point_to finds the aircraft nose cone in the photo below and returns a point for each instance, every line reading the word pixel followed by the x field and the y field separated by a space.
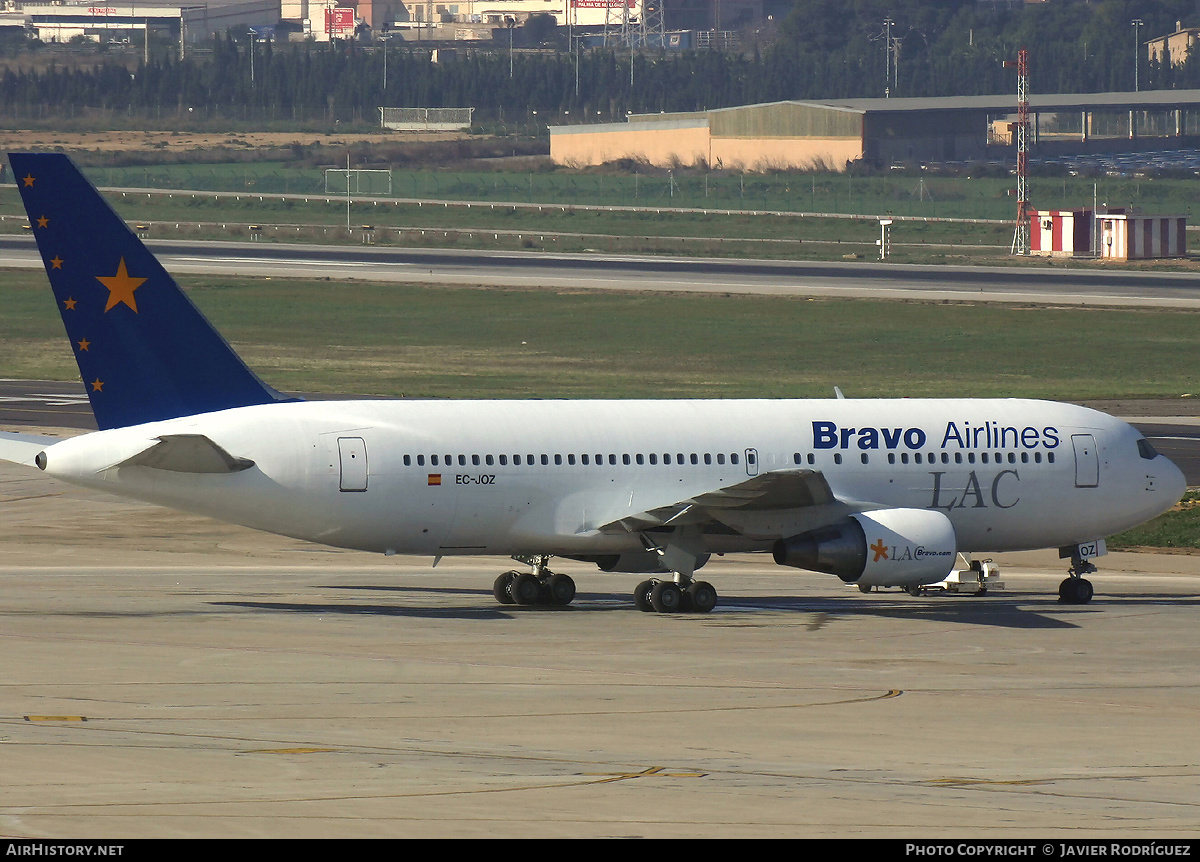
pixel 1174 483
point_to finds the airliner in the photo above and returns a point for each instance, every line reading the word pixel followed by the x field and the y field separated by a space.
pixel 879 493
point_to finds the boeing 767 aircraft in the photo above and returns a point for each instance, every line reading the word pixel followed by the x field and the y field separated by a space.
pixel 880 493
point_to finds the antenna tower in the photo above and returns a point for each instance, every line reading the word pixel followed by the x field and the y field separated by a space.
pixel 1020 243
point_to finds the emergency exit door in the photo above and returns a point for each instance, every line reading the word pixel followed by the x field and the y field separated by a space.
pixel 1087 461
pixel 353 454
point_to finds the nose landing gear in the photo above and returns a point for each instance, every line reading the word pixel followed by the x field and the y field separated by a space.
pixel 1076 589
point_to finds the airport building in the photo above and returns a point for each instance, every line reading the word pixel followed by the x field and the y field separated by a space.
pixel 644 22
pixel 122 22
pixel 832 134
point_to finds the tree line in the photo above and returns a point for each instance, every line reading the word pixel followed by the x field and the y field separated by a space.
pixel 823 49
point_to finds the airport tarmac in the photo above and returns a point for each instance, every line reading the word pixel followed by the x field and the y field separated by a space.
pixel 167 676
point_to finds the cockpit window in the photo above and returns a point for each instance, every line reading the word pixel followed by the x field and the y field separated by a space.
pixel 1146 450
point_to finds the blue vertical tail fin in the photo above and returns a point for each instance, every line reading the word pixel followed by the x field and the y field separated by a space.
pixel 145 352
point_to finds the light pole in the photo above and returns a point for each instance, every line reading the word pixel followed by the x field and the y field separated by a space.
pixel 510 23
pixel 887 57
pixel 250 48
pixel 1136 23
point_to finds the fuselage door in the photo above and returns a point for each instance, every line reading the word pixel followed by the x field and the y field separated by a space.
pixel 1087 461
pixel 353 454
pixel 751 462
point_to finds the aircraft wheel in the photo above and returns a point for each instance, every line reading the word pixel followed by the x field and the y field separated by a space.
pixel 702 597
pixel 641 596
pixel 864 588
pixel 561 589
pixel 913 590
pixel 666 597
pixel 1075 591
pixel 525 589
pixel 500 589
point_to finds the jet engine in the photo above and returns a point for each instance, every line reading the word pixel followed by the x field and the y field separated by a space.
pixel 884 548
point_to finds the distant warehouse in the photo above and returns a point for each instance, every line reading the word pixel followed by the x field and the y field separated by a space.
pixel 833 134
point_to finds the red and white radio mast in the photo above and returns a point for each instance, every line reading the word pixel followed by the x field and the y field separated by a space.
pixel 1020 243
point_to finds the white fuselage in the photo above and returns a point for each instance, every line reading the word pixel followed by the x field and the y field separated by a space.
pixel 524 477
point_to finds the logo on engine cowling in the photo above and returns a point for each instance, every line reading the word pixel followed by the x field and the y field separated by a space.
pixel 897 553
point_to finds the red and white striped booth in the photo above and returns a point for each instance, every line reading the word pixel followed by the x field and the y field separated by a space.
pixel 1061 233
pixel 1137 237
pixel 1120 235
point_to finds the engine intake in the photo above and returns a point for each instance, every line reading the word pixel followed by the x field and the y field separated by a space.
pixel 884 548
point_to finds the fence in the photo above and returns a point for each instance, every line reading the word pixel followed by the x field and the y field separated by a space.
pixel 425 119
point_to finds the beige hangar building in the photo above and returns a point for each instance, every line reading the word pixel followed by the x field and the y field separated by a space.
pixel 829 135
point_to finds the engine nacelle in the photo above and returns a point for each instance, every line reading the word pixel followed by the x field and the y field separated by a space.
pixel 885 548
pixel 632 561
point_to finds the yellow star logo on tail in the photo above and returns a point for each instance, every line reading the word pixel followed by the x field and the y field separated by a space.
pixel 120 287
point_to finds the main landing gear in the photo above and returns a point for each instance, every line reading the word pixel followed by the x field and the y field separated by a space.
pixel 668 597
pixel 539 587
pixel 1076 589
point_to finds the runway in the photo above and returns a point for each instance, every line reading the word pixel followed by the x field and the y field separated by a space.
pixel 1038 285
pixel 166 676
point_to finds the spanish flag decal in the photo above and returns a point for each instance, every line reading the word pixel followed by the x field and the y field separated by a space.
pixel 435 478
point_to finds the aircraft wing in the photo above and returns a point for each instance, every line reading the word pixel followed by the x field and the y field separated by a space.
pixel 23 448
pixel 778 489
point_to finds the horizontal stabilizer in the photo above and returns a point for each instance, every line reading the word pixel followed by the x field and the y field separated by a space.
pixel 187 453
pixel 23 448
